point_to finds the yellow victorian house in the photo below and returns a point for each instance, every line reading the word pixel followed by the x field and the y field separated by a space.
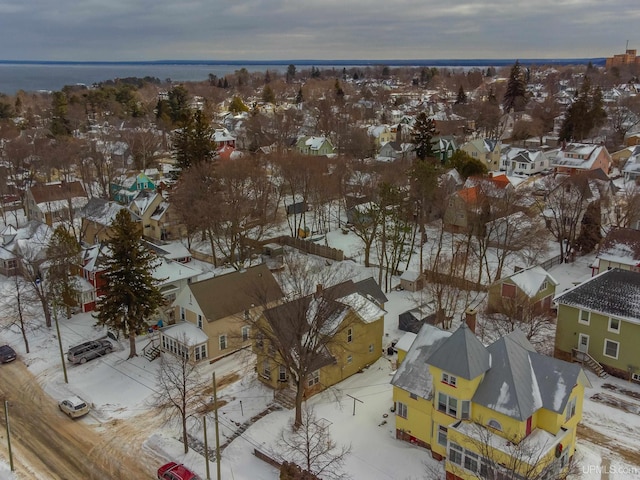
pixel 502 411
pixel 336 332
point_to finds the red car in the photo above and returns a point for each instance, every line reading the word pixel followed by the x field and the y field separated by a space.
pixel 176 471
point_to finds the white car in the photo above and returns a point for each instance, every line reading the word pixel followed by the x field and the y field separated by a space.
pixel 74 407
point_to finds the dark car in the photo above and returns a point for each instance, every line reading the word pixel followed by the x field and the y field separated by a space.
pixel 7 354
pixel 176 471
pixel 89 350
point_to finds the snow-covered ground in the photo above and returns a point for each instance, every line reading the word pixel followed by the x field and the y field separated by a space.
pixel 124 389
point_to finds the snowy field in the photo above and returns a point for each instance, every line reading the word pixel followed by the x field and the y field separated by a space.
pixel 123 389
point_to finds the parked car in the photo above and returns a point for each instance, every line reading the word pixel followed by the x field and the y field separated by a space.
pixel 74 407
pixel 89 350
pixel 176 471
pixel 7 354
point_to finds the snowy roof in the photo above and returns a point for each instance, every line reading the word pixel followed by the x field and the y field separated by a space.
pixel 168 271
pixel 365 308
pixel 462 354
pixel 613 293
pixel 410 275
pixel 530 280
pixel 521 381
pixel 186 333
pixel 172 251
pixel 406 341
pixel 413 373
pixel 578 155
pixel 143 200
pixel 103 212
pixel 621 245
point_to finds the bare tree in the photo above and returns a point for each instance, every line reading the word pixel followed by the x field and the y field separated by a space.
pixel 564 205
pixel 18 307
pixel 300 333
pixel 180 389
pixel 517 457
pixel 310 445
pixel 626 209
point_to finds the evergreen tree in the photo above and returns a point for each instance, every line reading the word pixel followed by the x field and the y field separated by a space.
pixel 131 294
pixel 193 143
pixel 584 114
pixel 462 97
pixel 178 105
pixel 291 73
pixel 299 96
pixel 267 94
pixel 424 129
pixel 237 105
pixel 515 98
pixel 60 125
pixel 63 254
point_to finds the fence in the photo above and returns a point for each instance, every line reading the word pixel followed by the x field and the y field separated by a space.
pixel 308 246
pixel 547 264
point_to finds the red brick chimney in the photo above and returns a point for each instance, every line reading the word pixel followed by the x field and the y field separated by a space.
pixel 470 318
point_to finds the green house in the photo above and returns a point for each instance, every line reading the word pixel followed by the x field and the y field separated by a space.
pixel 316 146
pixel 125 190
pixel 599 320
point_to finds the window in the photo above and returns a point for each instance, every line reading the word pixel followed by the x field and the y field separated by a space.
pixel 544 285
pixel 349 359
pixel 349 335
pixel 455 454
pixel 266 369
pixel 200 321
pixel 371 348
pixel 442 435
pixel 260 341
pixel 614 325
pixel 200 352
pixel 282 373
pixel 314 378
pixel 635 377
pixel 611 348
pixel 245 333
pixel 571 409
pixel 464 414
pixel 413 396
pixel 449 379
pixel 447 404
pixel 584 317
pixel 494 424
pixel 401 410
pixel 182 314
pixel 471 461
pixel 223 342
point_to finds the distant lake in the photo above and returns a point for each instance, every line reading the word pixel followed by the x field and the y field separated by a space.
pixel 34 77
pixel 52 76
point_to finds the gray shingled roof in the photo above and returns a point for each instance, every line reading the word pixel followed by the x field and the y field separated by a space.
pixel 462 355
pixel 413 373
pixel 614 293
pixel 521 381
pixel 233 293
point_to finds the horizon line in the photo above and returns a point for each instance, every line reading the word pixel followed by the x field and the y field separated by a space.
pixel 301 61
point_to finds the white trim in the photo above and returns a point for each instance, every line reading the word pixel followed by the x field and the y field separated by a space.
pixel 582 322
pixel 613 330
pixel 604 350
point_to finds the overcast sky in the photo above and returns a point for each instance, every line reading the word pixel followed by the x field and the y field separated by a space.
pixel 112 30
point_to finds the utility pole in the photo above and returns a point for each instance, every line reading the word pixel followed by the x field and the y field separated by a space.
pixel 354 402
pixel 64 365
pixel 215 416
pixel 6 419
pixel 206 446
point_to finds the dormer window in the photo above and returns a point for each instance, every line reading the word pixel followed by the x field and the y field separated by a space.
pixel 494 424
pixel 449 379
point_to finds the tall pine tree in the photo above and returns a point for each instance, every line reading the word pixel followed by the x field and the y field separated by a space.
pixel 424 129
pixel 193 143
pixel 584 114
pixel 63 254
pixel 131 294
pixel 515 98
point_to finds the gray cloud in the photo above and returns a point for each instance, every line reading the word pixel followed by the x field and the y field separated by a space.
pixel 328 29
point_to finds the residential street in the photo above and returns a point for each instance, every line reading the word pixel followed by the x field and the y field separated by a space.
pixel 48 445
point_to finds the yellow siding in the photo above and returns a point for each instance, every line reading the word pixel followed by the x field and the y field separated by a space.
pixel 419 413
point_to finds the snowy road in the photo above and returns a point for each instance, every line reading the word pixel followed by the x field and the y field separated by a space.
pixel 48 445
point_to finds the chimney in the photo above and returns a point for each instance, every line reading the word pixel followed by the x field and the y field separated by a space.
pixel 318 290
pixel 470 318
